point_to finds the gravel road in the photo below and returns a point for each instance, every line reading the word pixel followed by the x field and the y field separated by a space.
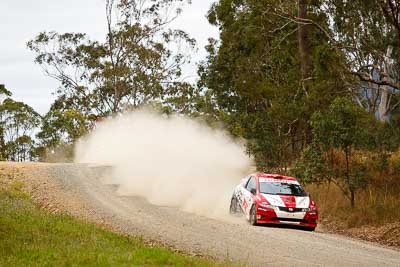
pixel 80 191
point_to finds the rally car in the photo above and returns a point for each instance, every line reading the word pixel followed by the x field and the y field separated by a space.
pixel 274 199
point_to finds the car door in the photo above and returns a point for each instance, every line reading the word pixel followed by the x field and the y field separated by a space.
pixel 239 191
pixel 247 196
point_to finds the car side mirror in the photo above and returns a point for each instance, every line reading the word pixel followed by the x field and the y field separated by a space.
pixel 253 191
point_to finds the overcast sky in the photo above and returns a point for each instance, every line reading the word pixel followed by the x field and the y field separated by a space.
pixel 22 20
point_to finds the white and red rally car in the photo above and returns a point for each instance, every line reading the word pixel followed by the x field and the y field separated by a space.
pixel 274 199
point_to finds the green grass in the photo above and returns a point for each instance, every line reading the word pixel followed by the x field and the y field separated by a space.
pixel 30 236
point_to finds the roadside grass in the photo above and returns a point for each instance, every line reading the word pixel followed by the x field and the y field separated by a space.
pixel 30 236
pixel 377 205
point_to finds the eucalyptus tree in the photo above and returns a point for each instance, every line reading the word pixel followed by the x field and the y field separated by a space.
pixel 18 122
pixel 139 62
pixel 63 126
pixel 4 93
pixel 368 33
pixel 269 72
pixel 339 133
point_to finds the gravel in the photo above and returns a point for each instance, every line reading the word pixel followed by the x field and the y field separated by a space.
pixel 79 191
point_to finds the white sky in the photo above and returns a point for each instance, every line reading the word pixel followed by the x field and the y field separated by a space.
pixel 22 20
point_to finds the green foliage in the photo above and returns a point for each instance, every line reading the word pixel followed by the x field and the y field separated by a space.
pixel 395 162
pixel 368 34
pixel 387 136
pixel 140 62
pixel 339 135
pixel 254 79
pixel 136 64
pixel 59 131
pixel 342 126
pixel 310 167
pixel 4 91
pixel 63 126
pixel 18 122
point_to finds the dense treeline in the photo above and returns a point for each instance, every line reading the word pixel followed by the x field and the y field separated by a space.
pixel 18 122
pixel 311 85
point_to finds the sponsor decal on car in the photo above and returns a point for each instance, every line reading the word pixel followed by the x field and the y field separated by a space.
pixel 275 180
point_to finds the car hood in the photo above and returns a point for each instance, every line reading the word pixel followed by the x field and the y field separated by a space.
pixel 287 201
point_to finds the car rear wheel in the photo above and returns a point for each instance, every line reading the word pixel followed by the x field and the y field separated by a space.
pixel 253 215
pixel 234 206
pixel 311 229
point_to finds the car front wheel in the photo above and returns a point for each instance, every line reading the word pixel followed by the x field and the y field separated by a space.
pixel 253 215
pixel 234 206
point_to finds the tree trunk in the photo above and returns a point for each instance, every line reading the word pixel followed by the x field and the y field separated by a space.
pixel 384 105
pixel 2 145
pixel 347 174
pixel 304 41
pixel 352 198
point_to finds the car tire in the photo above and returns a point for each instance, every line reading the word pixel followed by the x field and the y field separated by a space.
pixel 310 229
pixel 233 209
pixel 253 216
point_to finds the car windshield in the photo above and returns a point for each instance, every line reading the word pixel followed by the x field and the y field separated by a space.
pixel 282 188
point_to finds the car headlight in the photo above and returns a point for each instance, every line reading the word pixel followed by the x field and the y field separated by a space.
pixel 310 209
pixel 267 206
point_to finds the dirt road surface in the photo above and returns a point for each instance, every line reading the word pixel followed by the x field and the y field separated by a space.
pixel 80 191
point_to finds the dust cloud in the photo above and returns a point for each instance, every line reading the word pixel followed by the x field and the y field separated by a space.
pixel 171 161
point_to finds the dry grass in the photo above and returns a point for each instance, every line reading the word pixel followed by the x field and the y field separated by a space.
pixel 376 205
pixel 376 216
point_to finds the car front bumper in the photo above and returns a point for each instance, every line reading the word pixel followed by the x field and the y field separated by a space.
pixel 276 216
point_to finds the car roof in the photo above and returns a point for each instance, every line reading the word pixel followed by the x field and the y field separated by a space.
pixel 274 176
